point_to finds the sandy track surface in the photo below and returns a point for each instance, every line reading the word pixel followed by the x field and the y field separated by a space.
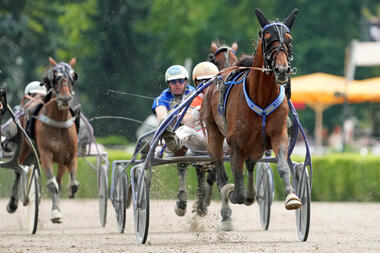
pixel 335 227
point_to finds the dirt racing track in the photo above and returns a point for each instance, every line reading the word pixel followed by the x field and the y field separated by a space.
pixel 335 227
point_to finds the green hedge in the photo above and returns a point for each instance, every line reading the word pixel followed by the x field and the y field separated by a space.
pixel 338 177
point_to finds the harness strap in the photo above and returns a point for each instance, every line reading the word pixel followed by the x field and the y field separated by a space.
pixel 51 122
pixel 268 110
pixel 228 86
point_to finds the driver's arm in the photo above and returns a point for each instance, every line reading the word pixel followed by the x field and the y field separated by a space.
pixel 161 113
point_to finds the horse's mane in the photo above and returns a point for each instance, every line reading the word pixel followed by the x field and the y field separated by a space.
pixel 245 61
pixel 219 43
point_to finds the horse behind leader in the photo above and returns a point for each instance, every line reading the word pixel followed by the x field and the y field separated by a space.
pixel 55 132
pixel 254 116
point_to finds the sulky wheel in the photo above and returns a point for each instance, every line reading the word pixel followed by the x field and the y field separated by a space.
pixel 33 196
pixel 303 213
pixel 120 192
pixel 102 194
pixel 141 204
pixel 264 192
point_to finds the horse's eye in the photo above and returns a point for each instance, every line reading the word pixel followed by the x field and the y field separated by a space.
pixel 75 76
pixel 288 38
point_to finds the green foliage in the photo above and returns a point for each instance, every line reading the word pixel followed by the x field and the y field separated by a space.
pixel 112 140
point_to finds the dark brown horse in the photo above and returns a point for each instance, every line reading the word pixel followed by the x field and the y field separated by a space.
pixel 249 132
pixel 56 134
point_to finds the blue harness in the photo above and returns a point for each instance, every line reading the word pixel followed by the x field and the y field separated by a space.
pixel 257 109
pixel 229 84
pixel 268 110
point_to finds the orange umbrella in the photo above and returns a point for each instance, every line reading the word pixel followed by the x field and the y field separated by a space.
pixel 319 91
pixel 318 88
pixel 367 90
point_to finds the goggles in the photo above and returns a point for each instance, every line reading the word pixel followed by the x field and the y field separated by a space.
pixel 180 81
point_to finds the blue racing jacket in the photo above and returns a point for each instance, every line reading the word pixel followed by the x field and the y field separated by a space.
pixel 167 99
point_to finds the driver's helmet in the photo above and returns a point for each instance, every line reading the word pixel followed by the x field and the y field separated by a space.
pixel 204 71
pixel 35 87
pixel 176 72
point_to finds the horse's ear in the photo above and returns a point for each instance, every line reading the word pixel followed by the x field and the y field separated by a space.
pixel 234 46
pixel 214 47
pixel 289 21
pixel 52 62
pixel 72 62
pixel 262 19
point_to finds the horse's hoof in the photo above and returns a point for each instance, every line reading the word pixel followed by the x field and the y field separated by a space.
pixel 180 212
pixel 226 225
pixel 201 212
pixel 292 202
pixel 11 208
pixel 12 205
pixel 73 188
pixel 249 202
pixel 56 216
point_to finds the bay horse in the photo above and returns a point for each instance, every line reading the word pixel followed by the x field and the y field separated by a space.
pixel 223 56
pixel 249 129
pixel 56 134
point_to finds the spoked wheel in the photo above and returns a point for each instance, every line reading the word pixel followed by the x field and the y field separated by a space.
pixel 303 213
pixel 33 195
pixel 141 208
pixel 263 195
pixel 102 194
pixel 120 201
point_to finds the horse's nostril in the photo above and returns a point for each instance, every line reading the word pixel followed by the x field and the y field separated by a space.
pixel 277 70
pixel 288 70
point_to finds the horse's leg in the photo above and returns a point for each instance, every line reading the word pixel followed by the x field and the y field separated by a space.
pixel 251 191
pixel 73 184
pixel 211 178
pixel 13 202
pixel 24 153
pixel 60 173
pixel 52 186
pixel 238 194
pixel 180 208
pixel 200 205
pixel 215 148
pixel 280 149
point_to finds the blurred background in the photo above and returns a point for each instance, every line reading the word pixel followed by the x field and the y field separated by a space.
pixel 126 45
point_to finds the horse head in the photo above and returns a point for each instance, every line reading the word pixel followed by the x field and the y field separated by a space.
pixel 276 45
pixel 60 80
pixel 223 56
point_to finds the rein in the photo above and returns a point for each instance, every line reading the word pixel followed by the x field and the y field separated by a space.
pixel 262 69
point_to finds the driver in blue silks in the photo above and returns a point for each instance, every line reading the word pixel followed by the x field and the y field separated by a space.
pixel 178 90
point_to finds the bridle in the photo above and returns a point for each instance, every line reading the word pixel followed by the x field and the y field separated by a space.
pixel 277 32
pixel 59 76
pixel 226 51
